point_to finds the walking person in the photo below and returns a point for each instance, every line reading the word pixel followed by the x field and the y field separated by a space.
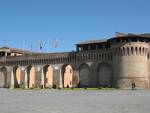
pixel 133 85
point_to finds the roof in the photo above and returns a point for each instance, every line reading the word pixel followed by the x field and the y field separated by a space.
pixel 145 35
pixel 92 41
pixel 15 50
pixel 130 35
pixel 120 34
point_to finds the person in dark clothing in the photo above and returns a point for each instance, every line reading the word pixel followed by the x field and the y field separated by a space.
pixel 133 85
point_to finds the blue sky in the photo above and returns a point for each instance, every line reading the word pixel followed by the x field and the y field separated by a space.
pixel 26 22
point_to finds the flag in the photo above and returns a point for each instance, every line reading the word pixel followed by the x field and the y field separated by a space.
pixel 56 43
pixel 41 46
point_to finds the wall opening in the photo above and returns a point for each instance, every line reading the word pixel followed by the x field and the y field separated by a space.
pixel 48 76
pixel 104 75
pixel 84 75
pixel 17 76
pixel 67 76
pixel 31 76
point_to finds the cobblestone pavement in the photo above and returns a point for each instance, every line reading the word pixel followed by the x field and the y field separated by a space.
pixel 59 101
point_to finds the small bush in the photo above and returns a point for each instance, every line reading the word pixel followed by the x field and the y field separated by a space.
pixel 99 88
pixel 85 88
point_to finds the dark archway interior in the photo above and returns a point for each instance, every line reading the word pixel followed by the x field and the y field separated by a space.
pixel 104 75
pixel 84 75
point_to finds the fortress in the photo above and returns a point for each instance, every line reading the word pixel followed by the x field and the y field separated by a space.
pixel 116 62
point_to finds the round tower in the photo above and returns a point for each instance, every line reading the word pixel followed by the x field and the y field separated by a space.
pixel 130 61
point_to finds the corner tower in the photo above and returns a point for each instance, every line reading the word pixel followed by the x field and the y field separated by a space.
pixel 130 60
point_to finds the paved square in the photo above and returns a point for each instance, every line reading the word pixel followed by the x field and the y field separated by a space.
pixel 59 101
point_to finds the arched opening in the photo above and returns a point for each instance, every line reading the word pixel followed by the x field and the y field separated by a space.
pixel 100 56
pixel 68 76
pixel 143 51
pixel 48 76
pixel 84 75
pixel 3 77
pixel 104 75
pixel 17 76
pixel 31 77
pixel 132 50
pixel 140 50
pixel 136 50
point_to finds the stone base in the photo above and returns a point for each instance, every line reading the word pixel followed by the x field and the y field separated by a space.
pixel 126 83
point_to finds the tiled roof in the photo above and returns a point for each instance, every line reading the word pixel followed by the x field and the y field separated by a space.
pixel 15 50
pixel 92 41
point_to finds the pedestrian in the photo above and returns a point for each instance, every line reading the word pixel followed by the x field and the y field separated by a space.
pixel 133 85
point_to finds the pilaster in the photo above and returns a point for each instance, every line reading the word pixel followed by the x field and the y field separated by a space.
pixel 11 74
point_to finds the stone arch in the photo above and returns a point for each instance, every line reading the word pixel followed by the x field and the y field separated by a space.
pixel 3 77
pixel 132 50
pixel 102 56
pixel 105 56
pixel 143 51
pixel 108 56
pixel 99 56
pixel 104 74
pixel 48 76
pixel 140 50
pixel 67 75
pixel 31 76
pixel 84 75
pixel 148 56
pixel 136 50
pixel 17 76
pixel 88 57
pixel 94 56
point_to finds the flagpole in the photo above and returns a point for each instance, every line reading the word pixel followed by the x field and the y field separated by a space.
pixel 23 46
pixel 31 47
pixel 48 43
pixel 56 43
